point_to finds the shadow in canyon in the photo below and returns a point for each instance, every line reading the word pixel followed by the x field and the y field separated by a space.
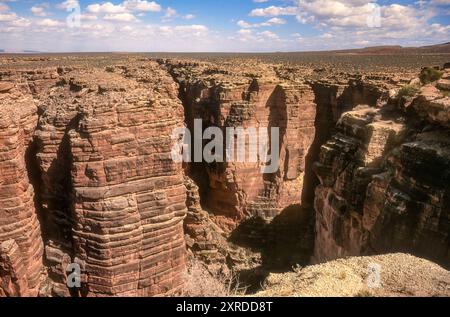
pixel 285 242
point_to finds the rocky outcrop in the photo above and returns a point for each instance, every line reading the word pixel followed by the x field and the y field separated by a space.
pixel 384 182
pixel 20 235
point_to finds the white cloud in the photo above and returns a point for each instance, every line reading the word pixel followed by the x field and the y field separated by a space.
pixel 38 11
pixel 88 17
pixel 170 13
pixel 189 17
pixel 269 35
pixel 49 23
pixel 195 29
pixel 106 7
pixel 121 17
pixel 274 11
pixel 255 38
pixel 68 4
pixel 441 2
pixel 326 36
pixel 8 17
pixel 142 5
pixel 270 22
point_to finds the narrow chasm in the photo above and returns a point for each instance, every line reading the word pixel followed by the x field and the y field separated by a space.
pixel 282 240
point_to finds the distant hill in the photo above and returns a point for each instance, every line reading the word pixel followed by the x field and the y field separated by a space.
pixel 397 50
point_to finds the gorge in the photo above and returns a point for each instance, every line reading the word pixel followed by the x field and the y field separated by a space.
pixel 87 175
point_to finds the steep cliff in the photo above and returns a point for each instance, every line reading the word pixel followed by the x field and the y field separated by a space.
pixel 21 246
pixel 116 198
pixel 252 97
pixel 384 179
pixel 108 194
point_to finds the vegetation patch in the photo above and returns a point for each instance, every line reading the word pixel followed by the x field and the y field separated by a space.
pixel 408 91
pixel 429 75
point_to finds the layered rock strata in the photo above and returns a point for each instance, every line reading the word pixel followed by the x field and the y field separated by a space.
pixel 21 246
pixel 384 181
pixel 123 198
pixel 224 99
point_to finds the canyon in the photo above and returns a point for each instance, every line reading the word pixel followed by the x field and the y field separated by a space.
pixel 87 175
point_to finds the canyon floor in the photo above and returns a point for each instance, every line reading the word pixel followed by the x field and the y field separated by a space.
pixel 88 184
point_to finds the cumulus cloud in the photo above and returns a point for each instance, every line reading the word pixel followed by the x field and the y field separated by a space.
pixel 441 2
pixel 273 11
pixel 8 17
pixel 250 37
pixel 106 7
pixel 121 17
pixel 335 24
pixel 142 5
pixel 270 22
pixel 170 13
pixel 38 11
pixel 49 23
pixel 68 4
pixel 125 7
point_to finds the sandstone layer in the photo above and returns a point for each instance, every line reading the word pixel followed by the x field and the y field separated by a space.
pixel 110 198
pixel 21 246
pixel 251 98
pixel 384 180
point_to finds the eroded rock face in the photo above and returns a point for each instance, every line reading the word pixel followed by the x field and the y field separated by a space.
pixel 116 199
pixel 109 196
pixel 222 98
pixel 383 186
pixel 21 246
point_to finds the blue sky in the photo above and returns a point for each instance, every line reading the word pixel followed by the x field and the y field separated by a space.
pixel 220 26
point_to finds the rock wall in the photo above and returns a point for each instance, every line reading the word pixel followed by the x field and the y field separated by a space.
pixel 108 194
pixel 384 180
pixel 21 246
pixel 128 197
pixel 238 190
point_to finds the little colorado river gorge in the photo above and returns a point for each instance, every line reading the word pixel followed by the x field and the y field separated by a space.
pixel 183 175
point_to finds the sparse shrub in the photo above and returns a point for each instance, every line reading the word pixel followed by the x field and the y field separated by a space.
pixel 342 275
pixel 199 282
pixel 408 91
pixel 446 93
pixel 364 293
pixel 429 75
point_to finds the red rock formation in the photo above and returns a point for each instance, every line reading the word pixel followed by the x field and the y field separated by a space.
pixel 111 185
pixel 236 99
pixel 20 236
pixel 383 186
